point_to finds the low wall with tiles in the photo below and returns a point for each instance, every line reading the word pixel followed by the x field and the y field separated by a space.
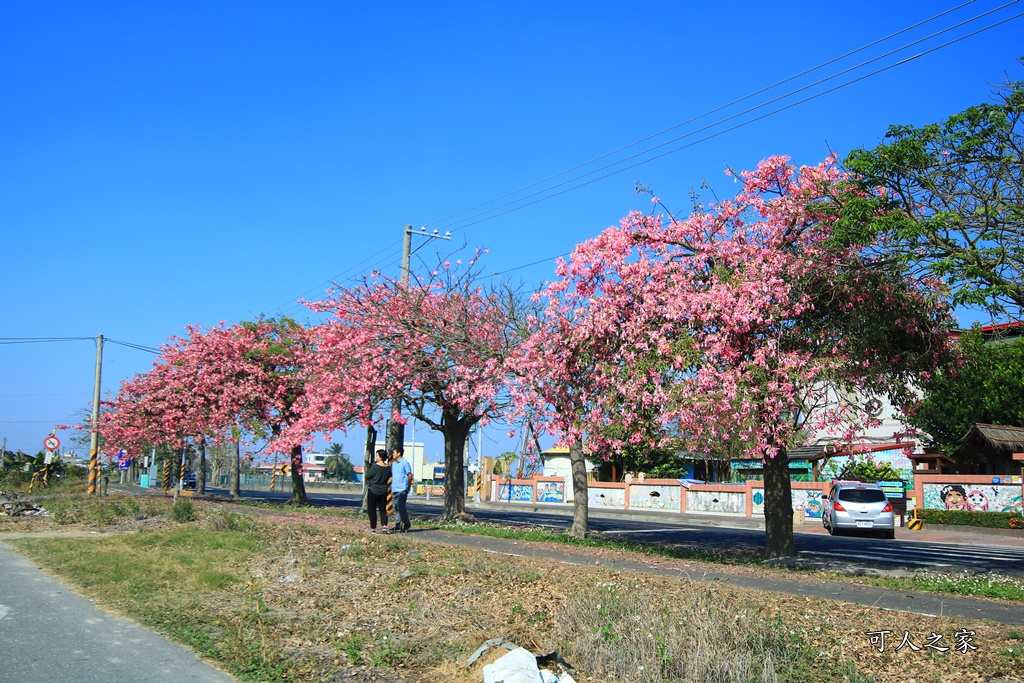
pixel 665 495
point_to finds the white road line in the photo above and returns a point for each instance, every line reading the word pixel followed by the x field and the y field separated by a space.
pixel 1008 549
pixel 876 558
pixel 966 555
pixel 643 531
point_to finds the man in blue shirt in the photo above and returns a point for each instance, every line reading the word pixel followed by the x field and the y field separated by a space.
pixel 401 483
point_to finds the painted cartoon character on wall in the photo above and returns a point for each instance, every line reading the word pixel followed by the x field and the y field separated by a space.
pixel 977 501
pixel 954 497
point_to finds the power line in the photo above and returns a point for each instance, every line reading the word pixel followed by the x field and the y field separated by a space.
pixel 705 114
pixel 739 114
pixel 292 305
pixel 527 265
pixel 737 126
pixel 45 340
pixel 139 347
pixel 41 340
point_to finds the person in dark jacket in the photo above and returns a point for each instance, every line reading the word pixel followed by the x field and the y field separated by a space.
pixel 378 483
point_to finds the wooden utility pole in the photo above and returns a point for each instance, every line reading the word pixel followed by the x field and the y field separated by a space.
pixel 394 436
pixel 94 436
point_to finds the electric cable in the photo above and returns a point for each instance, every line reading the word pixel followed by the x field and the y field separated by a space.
pixel 452 226
pixel 737 126
pixel 707 113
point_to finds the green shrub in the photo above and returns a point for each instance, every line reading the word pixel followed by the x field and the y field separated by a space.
pixel 991 520
pixel 183 511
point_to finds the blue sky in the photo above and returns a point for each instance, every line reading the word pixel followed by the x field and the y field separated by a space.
pixel 167 164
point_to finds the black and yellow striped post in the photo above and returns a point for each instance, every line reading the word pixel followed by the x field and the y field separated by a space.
pixel 166 479
pixel 391 506
pixel 273 476
pixel 94 470
pixel 916 524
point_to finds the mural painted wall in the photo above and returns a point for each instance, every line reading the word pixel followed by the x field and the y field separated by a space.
pixel 609 498
pixel 809 500
pixel 515 493
pixel 653 497
pixel 550 492
pixel 973 497
pixel 717 502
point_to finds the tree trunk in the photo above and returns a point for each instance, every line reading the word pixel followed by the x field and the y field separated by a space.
pixel 394 431
pixel 371 440
pixel 201 474
pixel 236 472
pixel 580 497
pixel 778 507
pixel 455 432
pixel 298 485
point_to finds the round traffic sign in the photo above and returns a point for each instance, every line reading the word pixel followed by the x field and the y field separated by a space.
pixel 51 443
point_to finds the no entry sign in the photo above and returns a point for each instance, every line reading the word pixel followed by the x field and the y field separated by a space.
pixel 51 443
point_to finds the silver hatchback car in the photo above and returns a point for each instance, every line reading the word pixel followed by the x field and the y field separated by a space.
pixel 857 506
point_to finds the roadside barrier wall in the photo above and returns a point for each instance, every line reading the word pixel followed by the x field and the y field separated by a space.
pixel 973 493
pixel 663 495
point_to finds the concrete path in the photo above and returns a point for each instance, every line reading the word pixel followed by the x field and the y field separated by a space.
pixel 48 633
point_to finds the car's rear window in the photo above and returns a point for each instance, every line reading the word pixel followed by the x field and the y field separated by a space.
pixel 862 495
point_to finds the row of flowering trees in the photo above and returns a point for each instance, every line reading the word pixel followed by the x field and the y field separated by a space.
pixel 742 323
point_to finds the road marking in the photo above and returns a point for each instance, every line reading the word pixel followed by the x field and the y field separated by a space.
pixel 876 558
pixel 644 531
pixel 4 609
pixel 968 552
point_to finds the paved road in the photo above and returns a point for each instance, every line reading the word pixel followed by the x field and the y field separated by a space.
pixel 939 551
pixel 48 633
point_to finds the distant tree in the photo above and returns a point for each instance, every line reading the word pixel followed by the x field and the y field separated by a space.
pixel 868 469
pixel 338 467
pixel 953 200
pixel 985 385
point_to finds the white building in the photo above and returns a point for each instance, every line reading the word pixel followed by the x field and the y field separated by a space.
pixel 421 469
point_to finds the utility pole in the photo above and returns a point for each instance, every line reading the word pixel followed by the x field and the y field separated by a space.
pixel 94 437
pixel 395 430
pixel 479 461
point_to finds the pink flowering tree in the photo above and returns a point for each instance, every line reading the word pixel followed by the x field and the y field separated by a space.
pixel 562 382
pixel 748 322
pixel 439 345
pixel 216 384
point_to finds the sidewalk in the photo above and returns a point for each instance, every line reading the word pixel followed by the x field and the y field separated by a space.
pixel 48 633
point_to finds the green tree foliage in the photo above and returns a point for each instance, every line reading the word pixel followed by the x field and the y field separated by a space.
pixel 868 469
pixel 986 385
pixel 338 467
pixel 954 196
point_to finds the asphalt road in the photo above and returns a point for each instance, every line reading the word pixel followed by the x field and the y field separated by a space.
pixel 956 552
